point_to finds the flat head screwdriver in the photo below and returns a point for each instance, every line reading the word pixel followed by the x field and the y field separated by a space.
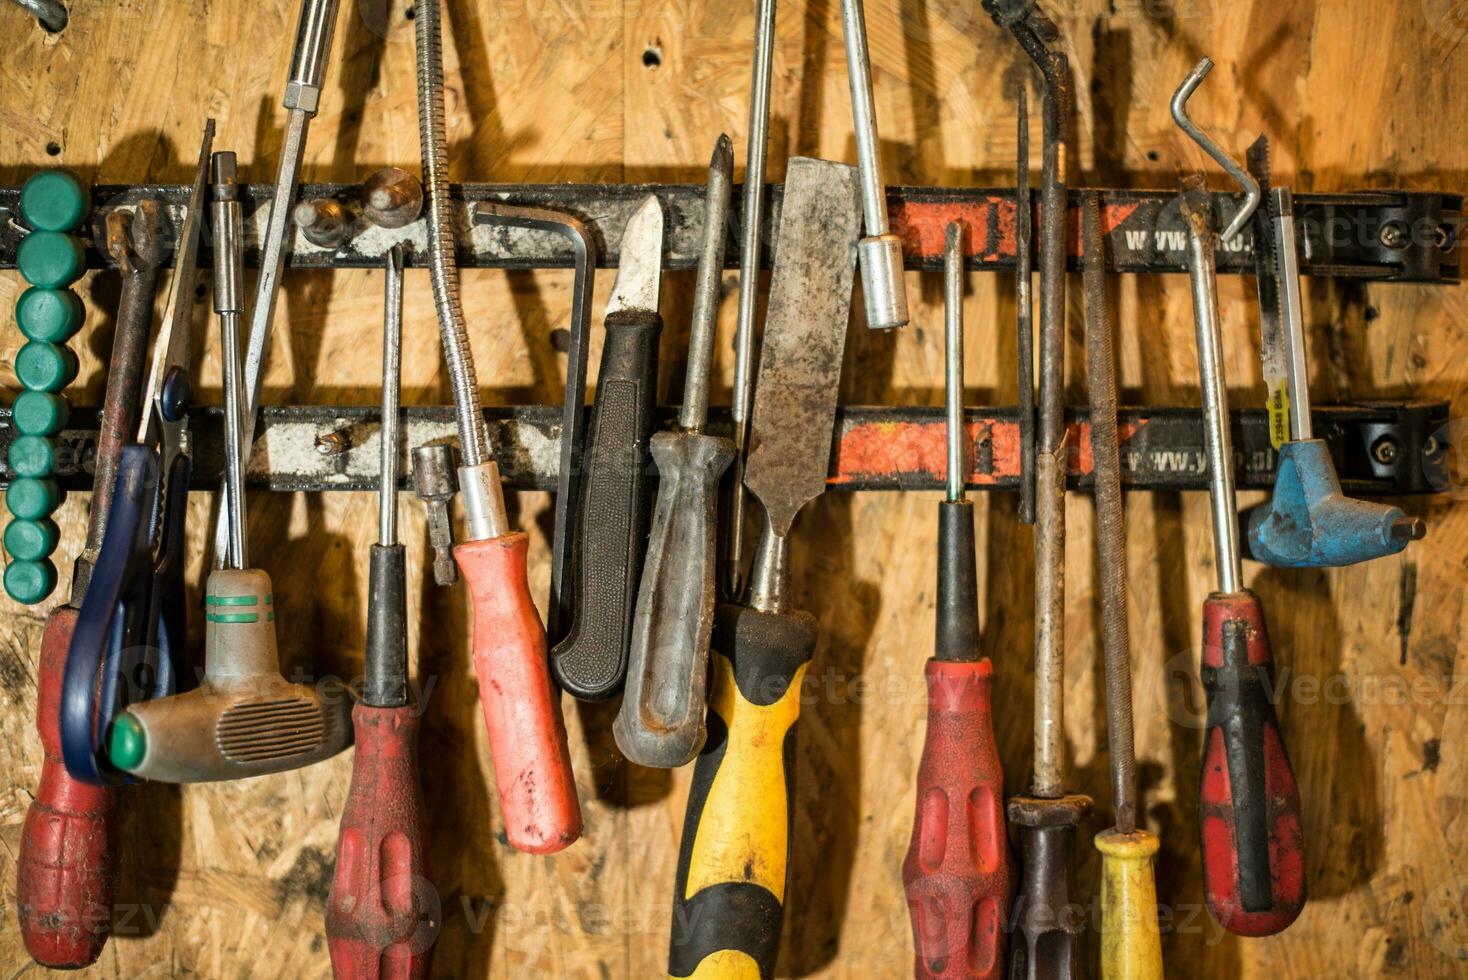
pixel 1131 945
pixel 661 719
pixel 378 923
pixel 1248 802
pixel 958 873
pixel 522 708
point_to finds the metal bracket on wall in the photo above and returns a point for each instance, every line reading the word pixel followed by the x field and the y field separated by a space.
pixel 1401 236
pixel 1379 449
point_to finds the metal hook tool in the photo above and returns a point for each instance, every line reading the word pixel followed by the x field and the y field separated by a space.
pixel 1180 116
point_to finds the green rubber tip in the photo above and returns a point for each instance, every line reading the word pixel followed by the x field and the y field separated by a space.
pixel 53 200
pixel 45 367
pixel 32 456
pixel 31 540
pixel 50 259
pixel 52 315
pixel 39 413
pixel 31 499
pixel 28 582
pixel 126 742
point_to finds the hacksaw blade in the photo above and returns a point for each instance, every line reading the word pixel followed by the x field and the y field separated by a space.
pixel 1272 352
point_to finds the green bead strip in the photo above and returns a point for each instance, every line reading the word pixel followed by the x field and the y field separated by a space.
pixel 249 617
pixel 232 600
pixel 53 203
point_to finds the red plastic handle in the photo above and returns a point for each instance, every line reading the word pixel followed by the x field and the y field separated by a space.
pixel 522 709
pixel 958 872
pixel 1249 805
pixel 384 914
pixel 66 877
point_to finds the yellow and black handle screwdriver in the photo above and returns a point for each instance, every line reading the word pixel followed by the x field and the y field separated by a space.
pixel 733 861
pixel 1131 946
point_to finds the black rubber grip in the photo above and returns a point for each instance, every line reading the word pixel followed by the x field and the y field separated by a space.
pixel 386 677
pixel 957 626
pixel 1044 942
pixel 730 886
pixel 606 558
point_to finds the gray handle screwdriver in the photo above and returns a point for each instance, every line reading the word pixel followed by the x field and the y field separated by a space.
pixel 660 722
pixel 302 96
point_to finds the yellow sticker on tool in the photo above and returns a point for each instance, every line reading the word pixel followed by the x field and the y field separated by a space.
pixel 1279 415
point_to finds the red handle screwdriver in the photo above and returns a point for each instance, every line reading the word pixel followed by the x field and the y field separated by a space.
pixel 958 872
pixel 1248 805
pixel 382 915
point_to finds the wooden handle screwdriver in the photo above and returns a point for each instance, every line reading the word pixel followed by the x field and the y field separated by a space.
pixel 958 873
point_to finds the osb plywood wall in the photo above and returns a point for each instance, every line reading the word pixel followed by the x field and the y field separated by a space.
pixel 230 880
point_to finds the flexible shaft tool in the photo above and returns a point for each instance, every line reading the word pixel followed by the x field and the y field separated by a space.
pixel 1248 805
pixel 379 922
pixel 67 866
pixel 244 719
pixel 522 708
pixel 1045 930
pixel 733 862
pixel 958 873
pixel 660 722
pixel 309 57
pixel 1131 945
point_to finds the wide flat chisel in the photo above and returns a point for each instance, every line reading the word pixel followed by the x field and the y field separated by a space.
pixel 733 861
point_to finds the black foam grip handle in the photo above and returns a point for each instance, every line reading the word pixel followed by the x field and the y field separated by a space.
pixel 733 862
pixel 1044 943
pixel 386 678
pixel 606 559
pixel 957 625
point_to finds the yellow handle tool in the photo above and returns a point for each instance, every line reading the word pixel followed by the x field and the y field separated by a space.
pixel 1131 945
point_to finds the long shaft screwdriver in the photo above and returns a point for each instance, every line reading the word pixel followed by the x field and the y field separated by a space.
pixel 1248 803
pixel 751 256
pixel 958 873
pixel 1131 946
pixel 66 871
pixel 309 57
pixel 1045 940
pixel 522 708
pixel 660 722
pixel 376 923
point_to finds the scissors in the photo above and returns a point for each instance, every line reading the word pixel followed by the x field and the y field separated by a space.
pixel 129 640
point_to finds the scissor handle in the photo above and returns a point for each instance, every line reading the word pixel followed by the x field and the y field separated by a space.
pixel 117 594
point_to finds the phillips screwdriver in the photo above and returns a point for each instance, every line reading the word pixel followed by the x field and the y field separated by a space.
pixel 958 873
pixel 309 57
pixel 375 926
pixel 244 719
pixel 522 708
pixel 1131 946
pixel 1248 805
pixel 660 722
pixel 733 861
pixel 1045 931
pixel 66 871
pixel 606 556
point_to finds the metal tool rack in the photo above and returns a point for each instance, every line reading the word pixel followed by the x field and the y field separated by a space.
pixel 1378 236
